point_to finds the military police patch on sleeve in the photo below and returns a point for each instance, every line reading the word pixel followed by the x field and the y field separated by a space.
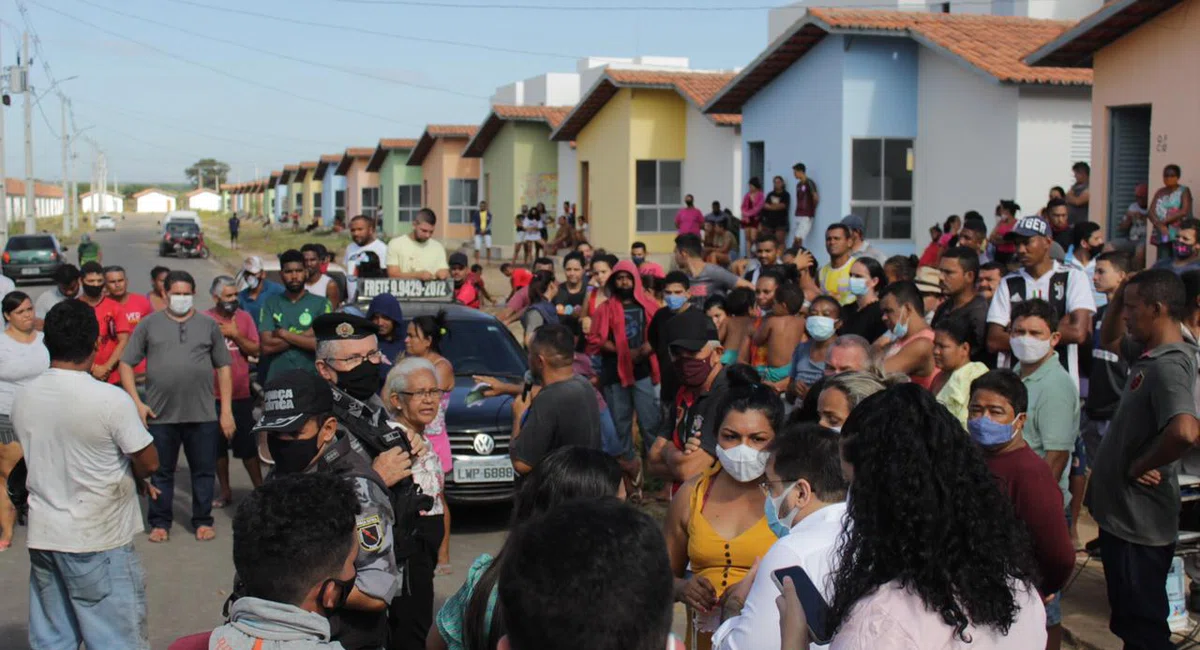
pixel 370 533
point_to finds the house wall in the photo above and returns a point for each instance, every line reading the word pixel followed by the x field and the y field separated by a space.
pixel 155 202
pixel 497 183
pixel 1044 122
pixel 332 183
pixel 605 145
pixel 966 150
pixel 358 178
pixel 798 118
pixel 281 197
pixel 658 131
pixel 444 162
pixel 311 187
pixel 713 170
pixel 296 192
pixel 535 166
pixel 393 173
pixel 568 175
pixel 205 201
pixel 110 203
pixel 1131 71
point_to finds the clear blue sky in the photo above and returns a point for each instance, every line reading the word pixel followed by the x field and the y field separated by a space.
pixel 179 112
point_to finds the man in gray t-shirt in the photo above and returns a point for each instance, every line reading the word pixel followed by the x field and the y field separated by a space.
pixel 1134 491
pixel 705 279
pixel 181 348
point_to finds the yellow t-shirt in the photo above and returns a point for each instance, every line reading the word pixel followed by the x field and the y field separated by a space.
pixel 412 257
pixel 836 282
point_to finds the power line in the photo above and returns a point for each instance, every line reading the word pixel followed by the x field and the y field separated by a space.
pixel 253 82
pixel 287 57
pixel 362 30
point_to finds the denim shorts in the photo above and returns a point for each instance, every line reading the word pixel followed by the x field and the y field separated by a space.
pixel 98 599
pixel 1054 610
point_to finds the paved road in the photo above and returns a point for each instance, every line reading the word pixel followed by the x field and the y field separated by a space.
pixel 188 581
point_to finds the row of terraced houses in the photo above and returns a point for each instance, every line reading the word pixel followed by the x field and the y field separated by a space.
pixel 902 116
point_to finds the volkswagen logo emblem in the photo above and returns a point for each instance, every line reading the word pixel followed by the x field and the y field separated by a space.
pixel 484 444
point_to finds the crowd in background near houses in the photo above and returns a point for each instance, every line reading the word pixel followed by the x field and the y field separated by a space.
pixel 844 418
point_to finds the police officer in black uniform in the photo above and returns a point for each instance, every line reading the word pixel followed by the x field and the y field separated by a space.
pixel 301 435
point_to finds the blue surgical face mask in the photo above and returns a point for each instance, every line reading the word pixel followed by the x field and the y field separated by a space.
pixel 987 432
pixel 637 260
pixel 819 327
pixel 781 527
pixel 858 286
pixel 675 302
pixel 900 330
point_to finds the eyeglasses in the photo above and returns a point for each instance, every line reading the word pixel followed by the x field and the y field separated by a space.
pixel 374 356
pixel 429 394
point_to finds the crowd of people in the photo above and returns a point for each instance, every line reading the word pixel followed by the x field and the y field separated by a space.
pixel 875 452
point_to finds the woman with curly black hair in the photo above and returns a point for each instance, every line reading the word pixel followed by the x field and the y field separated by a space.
pixel 933 556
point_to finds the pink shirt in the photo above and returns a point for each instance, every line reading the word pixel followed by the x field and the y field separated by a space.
pixel 893 618
pixel 238 365
pixel 689 221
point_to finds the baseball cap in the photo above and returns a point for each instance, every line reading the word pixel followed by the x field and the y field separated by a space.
pixel 854 222
pixel 253 265
pixel 691 330
pixel 459 259
pixel 290 399
pixel 928 280
pixel 1030 227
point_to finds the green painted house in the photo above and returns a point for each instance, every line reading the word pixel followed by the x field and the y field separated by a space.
pixel 520 162
pixel 399 184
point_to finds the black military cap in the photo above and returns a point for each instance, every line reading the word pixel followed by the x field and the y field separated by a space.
pixel 342 327
pixel 290 399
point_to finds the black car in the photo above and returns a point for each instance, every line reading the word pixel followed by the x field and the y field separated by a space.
pixel 182 238
pixel 476 343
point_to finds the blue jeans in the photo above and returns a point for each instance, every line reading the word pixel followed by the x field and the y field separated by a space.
pixel 623 402
pixel 98 599
pixel 201 445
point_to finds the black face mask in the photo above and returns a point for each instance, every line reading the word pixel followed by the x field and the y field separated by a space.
pixel 361 382
pixel 229 306
pixel 292 456
pixel 93 290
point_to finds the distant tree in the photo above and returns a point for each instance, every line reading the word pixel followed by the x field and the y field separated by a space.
pixel 213 172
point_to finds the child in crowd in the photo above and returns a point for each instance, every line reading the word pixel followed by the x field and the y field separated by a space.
pixel 476 279
pixel 737 324
pixel 714 308
pixel 808 361
pixel 517 277
pixel 780 333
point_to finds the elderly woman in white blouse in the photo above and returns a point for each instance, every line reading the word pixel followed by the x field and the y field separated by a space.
pixel 23 356
pixel 411 395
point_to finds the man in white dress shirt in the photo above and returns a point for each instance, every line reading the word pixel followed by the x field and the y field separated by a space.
pixel 807 496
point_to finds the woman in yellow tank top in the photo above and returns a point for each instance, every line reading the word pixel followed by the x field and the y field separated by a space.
pixel 716 524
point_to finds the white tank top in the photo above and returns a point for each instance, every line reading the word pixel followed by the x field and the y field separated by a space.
pixel 320 286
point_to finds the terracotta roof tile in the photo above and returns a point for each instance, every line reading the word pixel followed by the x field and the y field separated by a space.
pixel 435 131
pixel 350 155
pixel 359 152
pixel 291 168
pixel 312 164
pixel 328 160
pixel 380 152
pixel 696 87
pixel 552 116
pixel 995 45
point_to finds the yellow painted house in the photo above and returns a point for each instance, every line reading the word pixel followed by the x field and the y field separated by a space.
pixel 642 144
pixel 311 189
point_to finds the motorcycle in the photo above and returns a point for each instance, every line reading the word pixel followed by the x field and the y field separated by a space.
pixel 189 244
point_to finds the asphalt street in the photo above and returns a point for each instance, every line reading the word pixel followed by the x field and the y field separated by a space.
pixel 188 581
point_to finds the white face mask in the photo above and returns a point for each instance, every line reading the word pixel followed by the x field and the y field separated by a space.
pixel 180 305
pixel 1029 349
pixel 742 462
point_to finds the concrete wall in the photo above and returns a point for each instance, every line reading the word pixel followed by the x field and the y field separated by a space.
pixel 392 174
pixel 1131 71
pixel 551 89
pixel 713 171
pixel 110 203
pixel 155 202
pixel 605 145
pixel 498 186
pixel 966 153
pixel 204 201
pixel 1044 122
pixel 798 118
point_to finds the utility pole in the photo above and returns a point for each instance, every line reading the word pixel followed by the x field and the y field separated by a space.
pixel 30 206
pixel 3 180
pixel 66 143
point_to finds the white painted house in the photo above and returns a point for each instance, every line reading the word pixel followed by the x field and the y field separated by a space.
pixel 47 200
pixel 907 117
pixel 154 200
pixel 204 199
pixel 109 203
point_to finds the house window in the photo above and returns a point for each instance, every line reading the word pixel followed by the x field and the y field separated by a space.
pixel 881 186
pixel 464 196
pixel 758 158
pixel 1081 143
pixel 370 200
pixel 408 201
pixel 299 203
pixel 659 194
pixel 316 207
pixel 339 204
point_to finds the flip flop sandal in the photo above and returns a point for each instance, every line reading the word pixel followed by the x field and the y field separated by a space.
pixel 157 538
pixel 443 569
pixel 205 534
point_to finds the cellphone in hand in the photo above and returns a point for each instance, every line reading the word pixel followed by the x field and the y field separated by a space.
pixel 816 610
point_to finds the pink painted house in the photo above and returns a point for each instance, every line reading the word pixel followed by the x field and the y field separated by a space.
pixel 362 186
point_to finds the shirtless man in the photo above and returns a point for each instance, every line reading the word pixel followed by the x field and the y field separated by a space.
pixel 737 324
pixel 780 333
pixel 764 293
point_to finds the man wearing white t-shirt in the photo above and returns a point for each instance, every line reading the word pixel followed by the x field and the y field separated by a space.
pixel 417 255
pixel 362 231
pixel 1066 288
pixel 87 463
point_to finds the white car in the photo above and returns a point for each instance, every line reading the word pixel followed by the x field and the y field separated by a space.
pixel 105 222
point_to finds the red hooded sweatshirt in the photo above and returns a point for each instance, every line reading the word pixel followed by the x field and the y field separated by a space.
pixel 610 319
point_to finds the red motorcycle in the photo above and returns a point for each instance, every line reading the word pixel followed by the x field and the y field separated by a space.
pixel 183 240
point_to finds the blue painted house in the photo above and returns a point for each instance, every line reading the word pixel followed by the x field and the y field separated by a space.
pixel 905 118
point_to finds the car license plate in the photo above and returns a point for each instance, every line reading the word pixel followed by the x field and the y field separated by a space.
pixel 488 469
pixel 30 271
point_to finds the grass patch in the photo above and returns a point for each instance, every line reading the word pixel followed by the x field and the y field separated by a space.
pixel 50 226
pixel 256 238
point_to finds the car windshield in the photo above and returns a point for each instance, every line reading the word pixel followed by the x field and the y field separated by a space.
pixel 31 243
pixel 482 348
pixel 182 228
